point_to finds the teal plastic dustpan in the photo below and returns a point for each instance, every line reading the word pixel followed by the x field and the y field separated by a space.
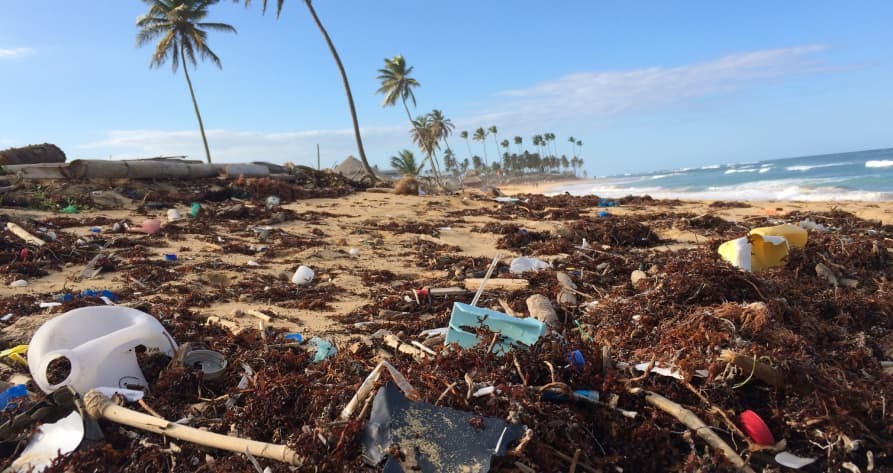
pixel 513 331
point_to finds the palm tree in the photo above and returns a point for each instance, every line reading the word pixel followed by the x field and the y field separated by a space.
pixel 182 31
pixel 424 136
pixel 353 109
pixel 505 146
pixel 464 135
pixel 573 142
pixel 481 135
pixel 405 164
pixel 538 142
pixel 518 141
pixel 493 132
pixel 443 127
pixel 396 83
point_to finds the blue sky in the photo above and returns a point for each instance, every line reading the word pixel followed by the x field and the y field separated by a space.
pixel 645 85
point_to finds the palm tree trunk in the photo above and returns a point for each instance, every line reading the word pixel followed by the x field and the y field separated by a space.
pixel 468 144
pixel 408 115
pixel 353 110
pixel 198 115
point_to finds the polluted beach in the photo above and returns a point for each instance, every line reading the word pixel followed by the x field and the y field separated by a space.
pixel 465 333
pixel 535 243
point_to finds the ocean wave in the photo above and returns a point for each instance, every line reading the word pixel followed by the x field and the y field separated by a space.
pixel 661 176
pixel 765 169
pixel 879 164
pixel 807 167
pixel 733 171
pixel 783 189
pixel 711 166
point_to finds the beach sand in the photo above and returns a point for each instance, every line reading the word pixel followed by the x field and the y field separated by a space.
pixel 359 221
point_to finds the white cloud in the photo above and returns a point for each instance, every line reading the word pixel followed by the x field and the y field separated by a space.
pixel 572 103
pixel 588 94
pixel 11 53
pixel 242 146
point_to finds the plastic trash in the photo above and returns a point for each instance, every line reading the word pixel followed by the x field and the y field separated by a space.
pixel 103 293
pixel 18 283
pixel 170 257
pixel 15 354
pixel 811 225
pixel 607 203
pixel 273 201
pixel 514 331
pixel 195 209
pixel 588 395
pixel 70 209
pixel 173 215
pixel 49 442
pixel 604 213
pixel 755 428
pixel 763 247
pixel 576 358
pixel 294 337
pixel 525 263
pixel 354 252
pixel 150 226
pixel 302 276
pixel 793 461
pixel 443 439
pixel 99 343
pixel 324 349
pixel 95 230
pixel 212 363
pixel 10 398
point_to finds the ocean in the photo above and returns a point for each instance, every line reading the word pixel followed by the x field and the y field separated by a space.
pixel 859 175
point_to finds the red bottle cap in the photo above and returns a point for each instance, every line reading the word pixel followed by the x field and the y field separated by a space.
pixel 754 426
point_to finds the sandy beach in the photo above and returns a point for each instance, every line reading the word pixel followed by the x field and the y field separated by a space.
pixel 372 251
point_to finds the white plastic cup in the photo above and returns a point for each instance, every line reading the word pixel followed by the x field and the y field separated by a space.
pixel 302 276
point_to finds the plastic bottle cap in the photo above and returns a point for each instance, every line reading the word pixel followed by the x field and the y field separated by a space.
pixel 754 427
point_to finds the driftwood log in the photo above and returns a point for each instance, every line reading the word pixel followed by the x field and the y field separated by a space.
pixel 33 154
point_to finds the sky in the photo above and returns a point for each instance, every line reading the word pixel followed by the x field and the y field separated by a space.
pixel 645 85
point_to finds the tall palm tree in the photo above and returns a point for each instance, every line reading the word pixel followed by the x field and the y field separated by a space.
pixel 464 135
pixel 573 142
pixel 505 146
pixel 424 136
pixel 481 135
pixel 538 142
pixel 405 164
pixel 443 127
pixel 518 141
pixel 353 109
pixel 396 83
pixel 493 132
pixel 179 25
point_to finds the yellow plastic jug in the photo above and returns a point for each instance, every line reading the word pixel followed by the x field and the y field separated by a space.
pixel 795 236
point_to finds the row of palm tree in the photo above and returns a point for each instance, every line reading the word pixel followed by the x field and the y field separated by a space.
pixel 182 33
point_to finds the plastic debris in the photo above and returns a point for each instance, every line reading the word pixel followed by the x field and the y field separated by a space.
pixel 354 252
pixel 70 209
pixel 273 201
pixel 755 428
pixel 51 440
pixel 150 226
pixel 514 331
pixel 294 337
pixel 793 461
pixel 173 215
pixel 9 398
pixel 15 354
pixel 603 213
pixel 212 363
pixel 525 263
pixel 18 283
pixel 303 275
pixel 507 200
pixel 576 358
pixel 98 344
pixel 607 203
pixel 485 391
pixel 130 395
pixel 324 349
pixel 170 257
pixel 763 247
pixel 195 209
pixel 435 439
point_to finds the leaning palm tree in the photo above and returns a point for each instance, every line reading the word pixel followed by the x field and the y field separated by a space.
pixel 425 137
pixel 183 34
pixel 353 109
pixel 396 83
pixel 481 135
pixel 464 135
pixel 443 127
pixel 405 164
pixel 573 142
pixel 493 132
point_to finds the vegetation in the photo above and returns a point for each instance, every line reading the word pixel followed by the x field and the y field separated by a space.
pixel 337 58
pixel 405 164
pixel 182 33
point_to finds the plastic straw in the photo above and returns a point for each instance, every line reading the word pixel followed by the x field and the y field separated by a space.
pixel 477 295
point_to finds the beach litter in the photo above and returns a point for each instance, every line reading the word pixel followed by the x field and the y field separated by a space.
pixel 763 247
pixel 510 332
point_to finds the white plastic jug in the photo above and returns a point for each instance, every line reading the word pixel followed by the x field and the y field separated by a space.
pixel 100 343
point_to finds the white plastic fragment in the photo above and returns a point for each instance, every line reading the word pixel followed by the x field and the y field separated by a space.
pixel 46 305
pixel 303 276
pixel 6 317
pixel 485 391
pixel 525 263
pixel 60 437
pixel 792 461
pixel 354 252
pixel 18 283
pixel 433 332
pixel 131 395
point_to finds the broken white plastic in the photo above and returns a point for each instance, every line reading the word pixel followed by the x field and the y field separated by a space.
pixel 303 276
pixel 60 437
pixel 792 461
pixel 131 395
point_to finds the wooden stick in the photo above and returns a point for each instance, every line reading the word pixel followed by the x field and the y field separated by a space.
pixel 760 370
pixel 570 459
pixel 101 407
pixel 576 458
pixel 693 422
pixel 24 235
pixel 497 283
